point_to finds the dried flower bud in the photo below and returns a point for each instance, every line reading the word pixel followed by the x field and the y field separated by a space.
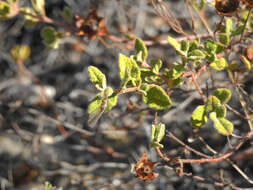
pixel 226 7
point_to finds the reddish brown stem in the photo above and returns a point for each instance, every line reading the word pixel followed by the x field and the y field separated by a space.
pixel 224 156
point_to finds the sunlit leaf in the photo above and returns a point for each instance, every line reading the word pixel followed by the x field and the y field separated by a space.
pixel 222 125
pixel 157 98
pixel 198 117
pixel 97 77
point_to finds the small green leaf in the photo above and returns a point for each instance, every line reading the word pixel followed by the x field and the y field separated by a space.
pixel 155 64
pixel 39 6
pixel 157 98
pixel 184 45
pixel 219 64
pixel 104 101
pixel 112 101
pixel 224 38
pixel 202 4
pixel 229 26
pixel 220 47
pixel 146 73
pixel 7 10
pixel 196 54
pixel 50 37
pixel 95 103
pixel 232 66
pixel 172 41
pixel 128 71
pixel 97 77
pixel 157 134
pixel 221 111
pixel 211 57
pixel 238 30
pixel 222 125
pixel 176 71
pixel 141 47
pixel 193 45
pixel 198 117
pixel 67 14
pixel 106 95
pixel 210 46
pixel 212 104
pixel 223 95
pixel 174 82
pixel 20 52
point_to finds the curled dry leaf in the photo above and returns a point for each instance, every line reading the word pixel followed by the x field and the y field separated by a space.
pixel 248 52
pixel 226 7
pixel 92 27
pixel 144 169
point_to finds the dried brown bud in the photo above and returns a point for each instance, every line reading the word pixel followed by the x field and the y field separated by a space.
pixel 226 7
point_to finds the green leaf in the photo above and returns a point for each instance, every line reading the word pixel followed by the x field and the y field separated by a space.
pixel 174 82
pixel 184 45
pixel 221 111
pixel 39 6
pixel 193 45
pixel 229 26
pixel 20 52
pixel 210 46
pixel 224 38
pixel 104 101
pixel 222 125
pixel 7 10
pixel 50 37
pixel 67 14
pixel 202 4
pixel 198 117
pixel 232 66
pixel 155 64
pixel 212 104
pixel 141 47
pixel 128 71
pixel 238 30
pixel 172 41
pixel 223 95
pixel 196 54
pixel 219 64
pixel 220 47
pixel 176 71
pixel 156 98
pixel 105 95
pixel 157 134
pixel 95 104
pixel 146 73
pixel 112 101
pixel 211 57
pixel 97 77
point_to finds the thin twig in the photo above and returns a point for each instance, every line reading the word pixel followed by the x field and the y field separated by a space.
pixel 57 122
pixel 241 99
